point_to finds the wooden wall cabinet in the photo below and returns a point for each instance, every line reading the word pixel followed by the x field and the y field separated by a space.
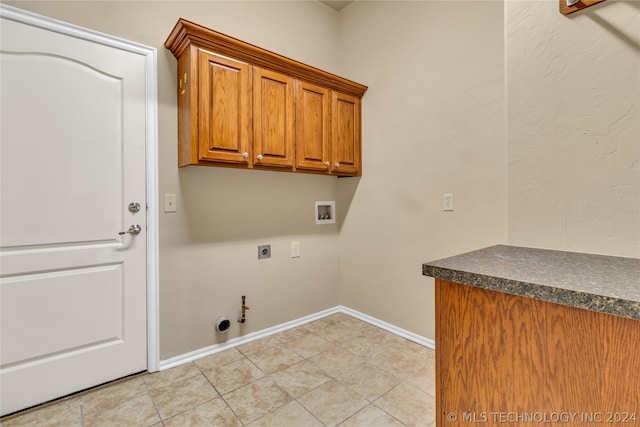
pixel 243 106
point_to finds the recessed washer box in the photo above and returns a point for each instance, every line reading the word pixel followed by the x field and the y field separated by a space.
pixel 325 212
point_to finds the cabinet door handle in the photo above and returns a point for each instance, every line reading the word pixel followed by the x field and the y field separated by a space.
pixel 259 157
pixel 245 154
pixel 327 163
pixel 336 165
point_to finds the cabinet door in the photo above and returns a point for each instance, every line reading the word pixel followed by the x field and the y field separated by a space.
pixel 312 127
pixel 345 134
pixel 273 119
pixel 224 109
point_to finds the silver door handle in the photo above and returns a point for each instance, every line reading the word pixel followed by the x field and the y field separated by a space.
pixel 134 229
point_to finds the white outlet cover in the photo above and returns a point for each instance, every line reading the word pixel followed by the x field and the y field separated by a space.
pixel 295 249
pixel 447 202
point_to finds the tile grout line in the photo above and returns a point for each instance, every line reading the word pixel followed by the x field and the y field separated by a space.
pixel 153 401
pixel 221 396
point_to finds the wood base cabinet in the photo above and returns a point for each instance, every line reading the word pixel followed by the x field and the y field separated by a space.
pixel 243 106
pixel 510 360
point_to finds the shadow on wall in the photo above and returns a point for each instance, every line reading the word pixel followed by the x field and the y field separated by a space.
pixel 633 43
pixel 346 191
pixel 226 204
pixel 634 3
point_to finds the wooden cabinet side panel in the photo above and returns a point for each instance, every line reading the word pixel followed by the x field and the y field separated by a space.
pixel 188 108
pixel 224 109
pixel 346 134
pixel 312 127
pixel 593 361
pixel 273 118
pixel 442 345
pixel 498 353
pixel 490 355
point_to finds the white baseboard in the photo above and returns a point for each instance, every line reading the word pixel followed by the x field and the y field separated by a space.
pixel 234 342
pixel 418 339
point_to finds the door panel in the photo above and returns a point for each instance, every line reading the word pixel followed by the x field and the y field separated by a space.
pixel 312 139
pixel 345 134
pixel 273 118
pixel 85 147
pixel 35 309
pixel 225 96
pixel 72 153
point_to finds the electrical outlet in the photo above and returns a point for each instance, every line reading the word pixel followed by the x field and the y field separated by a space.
pixel 264 251
pixel 295 249
pixel 447 202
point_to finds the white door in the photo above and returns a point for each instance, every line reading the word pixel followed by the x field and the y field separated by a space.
pixel 72 149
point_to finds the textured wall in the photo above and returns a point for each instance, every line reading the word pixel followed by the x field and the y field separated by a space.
pixel 432 124
pixel 573 89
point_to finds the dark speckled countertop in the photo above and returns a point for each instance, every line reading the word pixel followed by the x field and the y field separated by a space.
pixel 601 283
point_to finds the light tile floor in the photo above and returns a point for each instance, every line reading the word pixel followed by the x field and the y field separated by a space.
pixel 336 371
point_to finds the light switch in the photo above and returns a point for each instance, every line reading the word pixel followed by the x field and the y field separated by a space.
pixel 169 202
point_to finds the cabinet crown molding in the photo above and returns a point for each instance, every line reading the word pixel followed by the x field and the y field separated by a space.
pixel 186 33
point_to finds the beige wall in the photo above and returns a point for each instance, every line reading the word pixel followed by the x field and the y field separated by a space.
pixel 573 88
pixel 208 249
pixel 449 83
pixel 432 124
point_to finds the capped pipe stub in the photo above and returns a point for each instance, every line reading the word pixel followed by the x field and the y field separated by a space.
pixel 223 324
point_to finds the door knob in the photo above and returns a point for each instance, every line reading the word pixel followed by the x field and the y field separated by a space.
pixel 134 229
pixel 134 207
pixel 260 157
